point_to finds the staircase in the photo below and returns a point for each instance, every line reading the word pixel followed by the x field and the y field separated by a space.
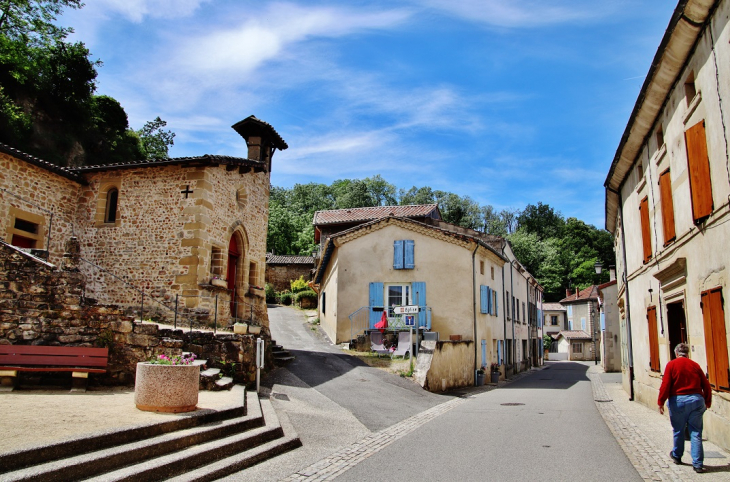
pixel 203 446
pixel 281 356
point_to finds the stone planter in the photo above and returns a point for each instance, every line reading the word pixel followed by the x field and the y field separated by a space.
pixel 240 328
pixel 254 330
pixel 220 283
pixel 166 388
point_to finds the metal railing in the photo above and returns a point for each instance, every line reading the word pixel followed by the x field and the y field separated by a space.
pixel 360 321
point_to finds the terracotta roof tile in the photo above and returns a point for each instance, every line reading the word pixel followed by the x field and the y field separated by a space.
pixel 339 216
pixel 288 259
pixel 575 335
pixel 552 307
pixel 587 294
pixel 206 159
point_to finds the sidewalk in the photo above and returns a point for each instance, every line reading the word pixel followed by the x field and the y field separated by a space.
pixel 646 436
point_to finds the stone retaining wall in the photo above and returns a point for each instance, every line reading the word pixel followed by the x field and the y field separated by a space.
pixel 43 305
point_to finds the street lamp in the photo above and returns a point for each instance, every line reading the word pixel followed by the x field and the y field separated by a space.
pixel 599 268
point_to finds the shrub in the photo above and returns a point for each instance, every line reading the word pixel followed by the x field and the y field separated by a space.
pixel 299 285
pixel 270 294
pixel 285 298
pixel 308 294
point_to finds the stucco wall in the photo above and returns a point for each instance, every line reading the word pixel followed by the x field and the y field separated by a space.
pixel 452 362
pixel 445 267
pixel 703 247
pixel 610 353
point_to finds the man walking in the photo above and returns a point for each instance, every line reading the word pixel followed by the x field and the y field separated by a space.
pixel 689 393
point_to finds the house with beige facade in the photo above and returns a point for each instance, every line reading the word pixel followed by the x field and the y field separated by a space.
pixel 459 278
pixel 610 346
pixel 583 316
pixel 154 235
pixel 667 195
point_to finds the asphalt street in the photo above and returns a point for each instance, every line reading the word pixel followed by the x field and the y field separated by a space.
pixel 544 426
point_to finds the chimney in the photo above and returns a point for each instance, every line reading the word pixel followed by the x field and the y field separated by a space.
pixel 568 292
pixel 262 140
pixel 612 273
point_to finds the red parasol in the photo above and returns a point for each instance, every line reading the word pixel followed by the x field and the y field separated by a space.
pixel 383 323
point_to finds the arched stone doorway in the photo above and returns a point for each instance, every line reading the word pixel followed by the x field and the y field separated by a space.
pixel 235 273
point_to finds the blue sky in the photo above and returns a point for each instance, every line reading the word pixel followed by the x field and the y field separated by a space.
pixel 508 102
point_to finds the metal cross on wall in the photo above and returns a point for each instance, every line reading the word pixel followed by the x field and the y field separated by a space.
pixel 187 191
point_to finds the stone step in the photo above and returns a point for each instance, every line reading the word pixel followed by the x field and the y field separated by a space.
pixel 238 462
pixel 200 362
pixel 210 372
pixel 93 463
pixel 224 383
pixel 283 359
pixel 26 458
pixel 280 353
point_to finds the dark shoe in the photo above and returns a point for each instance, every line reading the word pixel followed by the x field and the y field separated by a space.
pixel 676 460
pixel 700 470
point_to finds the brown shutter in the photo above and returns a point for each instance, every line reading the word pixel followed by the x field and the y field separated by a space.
pixel 699 171
pixel 645 228
pixel 713 314
pixel 665 190
pixel 653 340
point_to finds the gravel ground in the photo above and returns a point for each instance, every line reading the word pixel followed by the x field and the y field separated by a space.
pixel 37 417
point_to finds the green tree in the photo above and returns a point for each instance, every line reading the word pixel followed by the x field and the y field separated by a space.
pixel 542 220
pixel 381 191
pixel 421 195
pixel 155 141
pixel 34 21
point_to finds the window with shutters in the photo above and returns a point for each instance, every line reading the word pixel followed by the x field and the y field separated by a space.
pixel 653 340
pixel 403 254
pixel 698 161
pixel 645 228
pixel 484 299
pixel 397 295
pixel 577 347
pixel 665 191
pixel 713 314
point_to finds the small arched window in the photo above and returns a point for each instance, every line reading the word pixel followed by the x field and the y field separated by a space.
pixel 112 199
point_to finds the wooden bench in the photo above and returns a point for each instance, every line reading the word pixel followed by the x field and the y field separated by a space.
pixel 78 360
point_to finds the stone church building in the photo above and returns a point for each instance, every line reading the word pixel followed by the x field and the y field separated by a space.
pixel 154 234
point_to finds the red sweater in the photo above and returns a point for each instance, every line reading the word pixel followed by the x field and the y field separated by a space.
pixel 683 376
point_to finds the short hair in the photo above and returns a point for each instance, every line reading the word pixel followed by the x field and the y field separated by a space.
pixel 682 349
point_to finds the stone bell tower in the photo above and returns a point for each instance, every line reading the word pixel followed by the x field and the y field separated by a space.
pixel 262 140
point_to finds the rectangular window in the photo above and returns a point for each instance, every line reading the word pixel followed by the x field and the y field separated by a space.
pixel 492 269
pixel 577 347
pixel 583 324
pixel 690 91
pixel 484 299
pixel 27 229
pixel 553 320
pixel 645 228
pixel 659 138
pixel 494 303
pixel 698 161
pixel 506 304
pixel 516 308
pixel 665 191
pixel 524 313
pixel 398 295
pixel 324 302
pixel 713 314
pixel 481 267
pixel 253 274
pixel 653 340
pixel 403 254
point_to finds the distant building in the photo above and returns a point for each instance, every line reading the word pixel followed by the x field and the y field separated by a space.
pixel 281 270
pixel 667 194
pixel 555 318
pixel 583 316
pixel 610 346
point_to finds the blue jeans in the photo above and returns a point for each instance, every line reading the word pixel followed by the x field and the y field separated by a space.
pixel 687 410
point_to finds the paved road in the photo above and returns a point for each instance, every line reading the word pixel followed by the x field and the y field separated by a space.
pixel 376 398
pixel 550 429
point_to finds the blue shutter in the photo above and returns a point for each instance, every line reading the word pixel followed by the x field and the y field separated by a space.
pixel 496 304
pixel 419 297
pixel 483 298
pixel 603 321
pixel 489 300
pixel 484 353
pixel 398 254
pixel 375 300
pixel 499 352
pixel 409 258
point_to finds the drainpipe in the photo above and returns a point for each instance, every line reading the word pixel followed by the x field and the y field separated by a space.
pixel 527 315
pixel 474 305
pixel 504 320
pixel 629 337
pixel 509 303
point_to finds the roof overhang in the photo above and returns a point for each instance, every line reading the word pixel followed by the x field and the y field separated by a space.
pixel 675 50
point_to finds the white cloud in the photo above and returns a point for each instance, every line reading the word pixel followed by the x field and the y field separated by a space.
pixel 521 13
pixel 137 10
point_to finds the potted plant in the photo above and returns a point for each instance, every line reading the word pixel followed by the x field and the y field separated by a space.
pixel 167 384
pixel 480 377
pixel 240 328
pixel 254 329
pixel 219 282
pixel 495 373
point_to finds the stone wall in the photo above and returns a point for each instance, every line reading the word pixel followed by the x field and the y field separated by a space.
pixel 281 275
pixel 43 305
